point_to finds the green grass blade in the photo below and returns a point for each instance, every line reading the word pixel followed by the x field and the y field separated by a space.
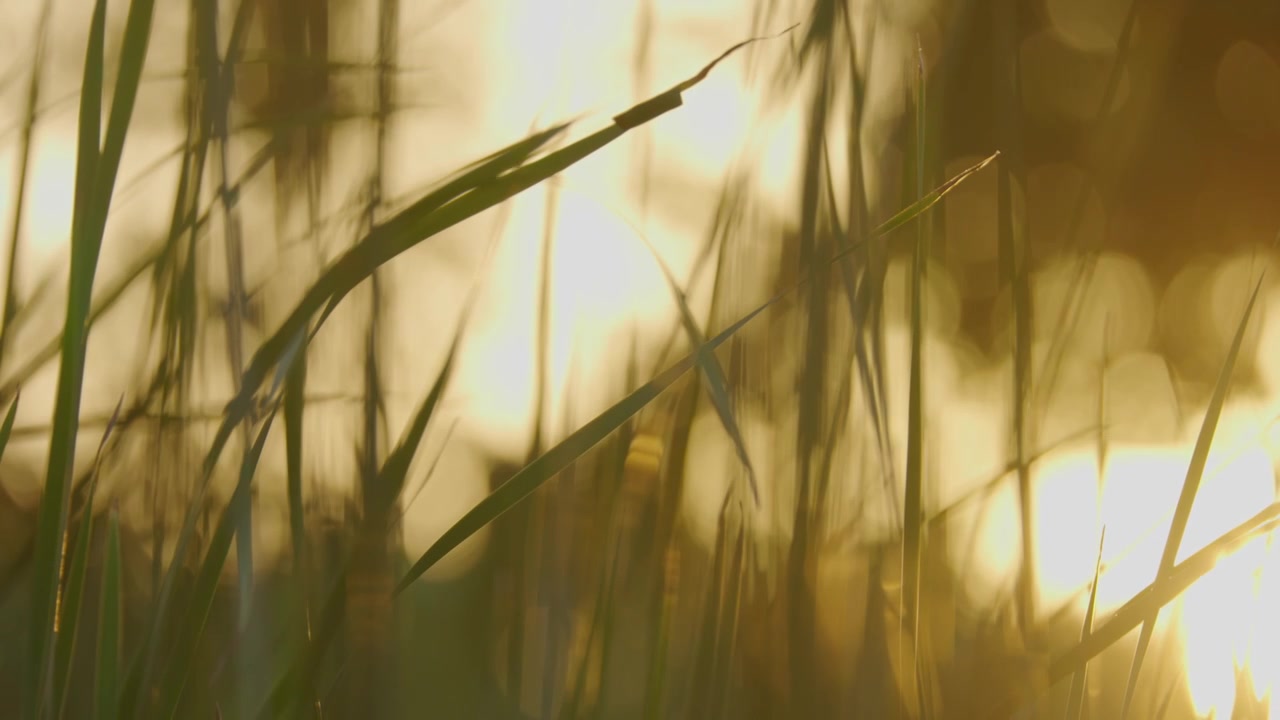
pixel 294 407
pixel 717 384
pixel 396 468
pixel 557 458
pixel 133 53
pixel 1182 512
pixel 72 597
pixel 106 691
pixel 391 476
pixel 467 196
pixel 54 505
pixel 917 208
pixel 192 627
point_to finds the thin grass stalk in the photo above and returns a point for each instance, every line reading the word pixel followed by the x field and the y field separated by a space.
pixel 370 636
pixel 814 246
pixel 110 626
pixel 1162 591
pixel 1075 699
pixel 1013 241
pixel 866 299
pixel 1190 485
pixel 913 510
pixel 11 301
pixel 708 641
pixel 732 611
pixel 72 598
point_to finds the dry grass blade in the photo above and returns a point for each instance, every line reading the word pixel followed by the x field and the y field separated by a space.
pixel 1182 512
pixel 671 99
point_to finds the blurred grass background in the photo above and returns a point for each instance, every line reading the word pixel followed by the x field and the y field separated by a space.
pixel 371 358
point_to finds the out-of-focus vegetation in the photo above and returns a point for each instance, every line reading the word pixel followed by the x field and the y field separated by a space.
pixel 796 358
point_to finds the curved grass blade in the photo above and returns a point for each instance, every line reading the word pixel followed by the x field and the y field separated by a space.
pixel 192 627
pixel 557 458
pixel 1182 512
pixel 468 195
pixel 561 455
pixel 72 597
pixel 106 691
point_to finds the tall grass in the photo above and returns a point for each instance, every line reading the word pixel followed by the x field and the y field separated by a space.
pixel 595 582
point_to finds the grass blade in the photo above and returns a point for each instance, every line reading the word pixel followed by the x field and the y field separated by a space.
pixel 1162 591
pixel 106 300
pixel 917 208
pixel 106 691
pixel 1075 701
pixel 1182 512
pixel 55 503
pixel 467 196
pixel 913 505
pixel 192 627
pixel 72 597
pixel 294 406
pixel 557 458
pixel 11 301
pixel 717 384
